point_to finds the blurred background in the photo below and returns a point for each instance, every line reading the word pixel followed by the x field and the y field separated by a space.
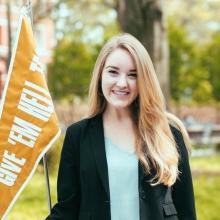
pixel 183 40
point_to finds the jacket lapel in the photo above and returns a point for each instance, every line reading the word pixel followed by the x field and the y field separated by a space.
pixel 98 145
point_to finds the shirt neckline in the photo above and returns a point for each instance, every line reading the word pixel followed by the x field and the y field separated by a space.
pixel 118 147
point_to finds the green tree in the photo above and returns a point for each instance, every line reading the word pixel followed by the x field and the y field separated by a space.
pixel 91 18
pixel 69 74
pixel 198 17
pixel 211 62
pixel 189 79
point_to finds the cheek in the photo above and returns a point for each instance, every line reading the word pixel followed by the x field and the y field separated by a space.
pixel 107 82
pixel 134 86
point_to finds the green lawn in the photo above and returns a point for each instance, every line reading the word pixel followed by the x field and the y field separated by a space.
pixel 207 194
pixel 32 204
pixel 211 163
pixel 207 187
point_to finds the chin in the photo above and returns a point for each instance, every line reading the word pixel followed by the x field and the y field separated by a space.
pixel 120 105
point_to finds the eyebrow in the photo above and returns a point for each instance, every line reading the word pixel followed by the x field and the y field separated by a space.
pixel 114 67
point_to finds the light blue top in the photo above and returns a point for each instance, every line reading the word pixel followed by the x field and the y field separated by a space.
pixel 123 182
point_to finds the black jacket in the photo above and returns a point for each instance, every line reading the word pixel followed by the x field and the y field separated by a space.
pixel 83 188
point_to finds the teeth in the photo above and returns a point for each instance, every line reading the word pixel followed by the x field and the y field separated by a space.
pixel 119 92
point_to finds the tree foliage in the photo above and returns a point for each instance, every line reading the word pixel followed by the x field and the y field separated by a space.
pixel 201 29
pixel 199 18
pixel 69 74
pixel 91 18
pixel 211 57
pixel 188 78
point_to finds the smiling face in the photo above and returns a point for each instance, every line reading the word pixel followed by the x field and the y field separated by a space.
pixel 119 79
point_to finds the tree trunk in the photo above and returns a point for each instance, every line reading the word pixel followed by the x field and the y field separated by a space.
pixel 144 19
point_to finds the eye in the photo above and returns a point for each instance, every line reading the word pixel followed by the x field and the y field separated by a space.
pixel 113 72
pixel 132 75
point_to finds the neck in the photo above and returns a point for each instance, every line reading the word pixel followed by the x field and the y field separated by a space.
pixel 119 114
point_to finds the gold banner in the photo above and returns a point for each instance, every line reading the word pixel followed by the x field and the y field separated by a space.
pixel 28 123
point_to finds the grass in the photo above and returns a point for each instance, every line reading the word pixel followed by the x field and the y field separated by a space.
pixel 32 203
pixel 207 186
pixel 207 195
pixel 210 164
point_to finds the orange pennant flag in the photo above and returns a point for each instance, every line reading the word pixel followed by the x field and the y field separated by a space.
pixel 28 123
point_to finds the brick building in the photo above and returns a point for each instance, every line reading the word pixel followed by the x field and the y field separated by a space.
pixel 43 29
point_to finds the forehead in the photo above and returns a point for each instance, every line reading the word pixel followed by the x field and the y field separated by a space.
pixel 120 58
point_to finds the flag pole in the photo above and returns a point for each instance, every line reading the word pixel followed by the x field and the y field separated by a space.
pixel 29 11
pixel 47 182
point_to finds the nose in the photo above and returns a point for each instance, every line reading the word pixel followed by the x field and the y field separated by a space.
pixel 122 81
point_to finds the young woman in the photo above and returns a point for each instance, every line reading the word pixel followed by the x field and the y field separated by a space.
pixel 129 159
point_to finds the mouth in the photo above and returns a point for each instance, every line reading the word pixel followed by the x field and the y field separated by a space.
pixel 122 93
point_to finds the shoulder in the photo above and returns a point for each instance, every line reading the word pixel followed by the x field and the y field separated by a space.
pixel 75 133
pixel 176 133
pixel 80 126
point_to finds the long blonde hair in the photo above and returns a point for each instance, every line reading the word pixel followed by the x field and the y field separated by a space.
pixel 155 144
